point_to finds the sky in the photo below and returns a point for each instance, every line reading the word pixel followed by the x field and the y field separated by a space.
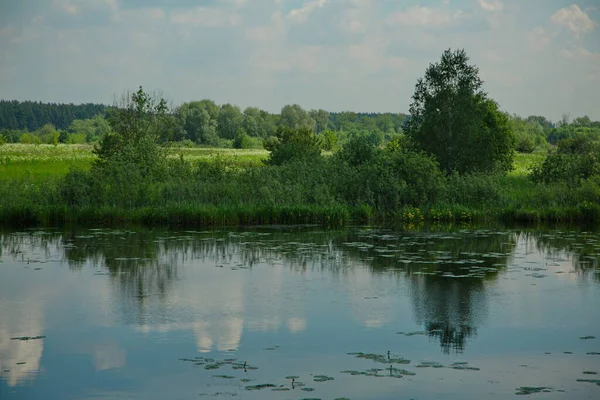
pixel 538 57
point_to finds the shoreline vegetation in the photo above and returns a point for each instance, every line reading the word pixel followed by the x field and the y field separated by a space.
pixel 32 179
pixel 465 163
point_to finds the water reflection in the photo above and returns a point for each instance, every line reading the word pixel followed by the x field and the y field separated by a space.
pixel 156 286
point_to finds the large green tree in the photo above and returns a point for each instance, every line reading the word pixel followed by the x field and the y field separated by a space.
pixel 199 121
pixel 230 121
pixel 453 119
pixel 295 117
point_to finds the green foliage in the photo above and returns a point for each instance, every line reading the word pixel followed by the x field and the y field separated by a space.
pixel 573 161
pixel 356 152
pixel 292 144
pixel 243 141
pixel 571 131
pixel 28 138
pixel 93 129
pixel 137 128
pixel 529 134
pixel 77 138
pixel 524 143
pixel 328 140
pixel 2 139
pixel 384 179
pixel 322 121
pixel 31 116
pixel 229 121
pixel 295 117
pixel 452 118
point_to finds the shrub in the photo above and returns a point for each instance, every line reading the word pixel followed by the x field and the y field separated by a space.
pixel 572 161
pixel 292 144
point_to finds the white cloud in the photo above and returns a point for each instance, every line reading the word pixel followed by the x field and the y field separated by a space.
pixel 418 16
pixel 573 18
pixel 491 5
pixel 302 14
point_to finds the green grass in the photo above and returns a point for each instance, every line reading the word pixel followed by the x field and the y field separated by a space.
pixel 523 162
pixel 38 163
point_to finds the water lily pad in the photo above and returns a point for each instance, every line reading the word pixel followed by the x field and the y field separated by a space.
pixel 587 337
pixel 463 366
pixel 380 358
pixel 590 372
pixel 527 390
pixel 27 337
pixel 223 376
pixel 260 386
pixel 322 378
pixel 308 389
pixel 596 381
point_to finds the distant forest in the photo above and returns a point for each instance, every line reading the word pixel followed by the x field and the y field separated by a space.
pixel 206 123
pixel 32 115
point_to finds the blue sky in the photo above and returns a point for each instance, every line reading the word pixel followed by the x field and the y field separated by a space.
pixel 536 56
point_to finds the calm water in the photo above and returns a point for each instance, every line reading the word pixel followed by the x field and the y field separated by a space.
pixel 185 315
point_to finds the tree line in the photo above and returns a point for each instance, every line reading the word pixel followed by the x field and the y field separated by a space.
pixel 192 123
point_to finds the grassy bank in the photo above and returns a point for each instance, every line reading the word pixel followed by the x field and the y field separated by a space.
pixel 210 187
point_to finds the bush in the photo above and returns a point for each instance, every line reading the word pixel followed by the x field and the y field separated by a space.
pixel 384 179
pixel 292 144
pixel 572 161
pixel 472 189
pixel 525 144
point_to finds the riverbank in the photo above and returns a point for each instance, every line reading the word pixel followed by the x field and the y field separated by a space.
pixel 214 187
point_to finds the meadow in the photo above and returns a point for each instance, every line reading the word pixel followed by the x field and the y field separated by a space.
pixel 39 162
pixel 45 161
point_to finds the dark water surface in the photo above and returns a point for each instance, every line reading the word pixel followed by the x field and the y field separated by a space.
pixel 464 314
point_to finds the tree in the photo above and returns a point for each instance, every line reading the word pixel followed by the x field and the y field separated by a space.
pixel 229 121
pixel 138 124
pixel 452 118
pixel 321 118
pixel 199 120
pixel 292 144
pixel 93 128
pixel 252 123
pixel 294 117
pixel 328 140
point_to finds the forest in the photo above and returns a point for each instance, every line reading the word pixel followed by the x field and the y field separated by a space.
pixel 455 157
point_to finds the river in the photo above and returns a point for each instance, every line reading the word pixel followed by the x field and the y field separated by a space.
pixel 299 313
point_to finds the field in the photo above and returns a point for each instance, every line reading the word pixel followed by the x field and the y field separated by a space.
pixel 40 162
pixel 36 163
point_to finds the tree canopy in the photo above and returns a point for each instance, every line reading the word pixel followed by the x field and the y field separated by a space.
pixel 452 118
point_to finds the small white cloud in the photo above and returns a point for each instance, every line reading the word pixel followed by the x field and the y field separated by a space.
pixel 418 16
pixel 573 18
pixel 302 14
pixel 491 5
